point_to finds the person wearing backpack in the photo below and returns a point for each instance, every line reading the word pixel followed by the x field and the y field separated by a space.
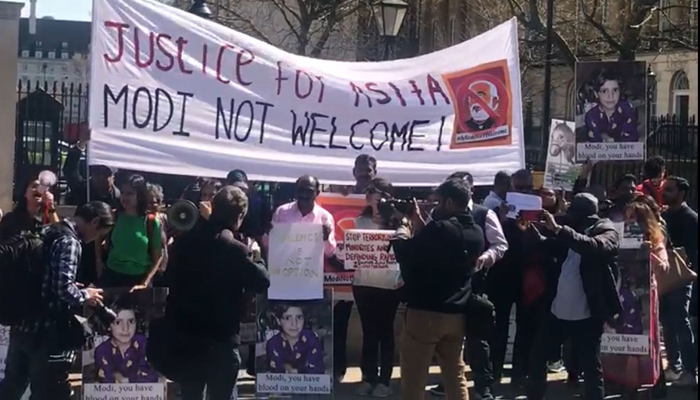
pixel 134 248
pixel 43 342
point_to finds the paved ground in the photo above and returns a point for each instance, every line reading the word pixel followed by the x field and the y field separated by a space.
pixel 558 390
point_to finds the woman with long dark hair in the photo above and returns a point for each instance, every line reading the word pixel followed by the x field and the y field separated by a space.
pixel 34 209
pixel 377 294
pixel 134 248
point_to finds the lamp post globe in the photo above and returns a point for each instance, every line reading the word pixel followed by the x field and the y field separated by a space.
pixel 201 9
pixel 389 15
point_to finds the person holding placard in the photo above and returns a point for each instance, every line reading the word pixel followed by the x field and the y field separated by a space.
pixel 305 210
pixel 377 296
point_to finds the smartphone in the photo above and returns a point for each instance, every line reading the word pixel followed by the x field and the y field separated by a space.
pixel 531 215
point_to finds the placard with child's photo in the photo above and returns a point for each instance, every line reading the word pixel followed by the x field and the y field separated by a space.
pixel 114 357
pixel 294 349
pixel 610 110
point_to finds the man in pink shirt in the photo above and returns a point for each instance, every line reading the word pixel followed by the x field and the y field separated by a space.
pixel 305 210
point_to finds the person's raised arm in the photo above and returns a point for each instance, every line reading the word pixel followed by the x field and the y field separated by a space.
pixel 604 242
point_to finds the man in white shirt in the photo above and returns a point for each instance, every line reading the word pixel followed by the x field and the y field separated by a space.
pixel 585 295
pixel 501 186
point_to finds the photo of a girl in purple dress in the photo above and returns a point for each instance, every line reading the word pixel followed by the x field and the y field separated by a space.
pixel 122 358
pixel 296 348
pixel 295 337
pixel 115 350
pixel 611 98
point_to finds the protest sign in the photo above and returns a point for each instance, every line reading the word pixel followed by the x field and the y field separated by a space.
pixel 369 249
pixel 248 318
pixel 611 110
pixel 296 262
pixel 114 359
pixel 294 347
pixel 528 206
pixel 630 332
pixel 345 209
pixel 561 170
pixel 4 345
pixel 172 93
pixel 631 344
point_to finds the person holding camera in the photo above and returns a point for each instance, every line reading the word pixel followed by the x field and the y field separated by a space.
pixel 377 295
pixel 42 346
pixel 482 314
pixel 437 262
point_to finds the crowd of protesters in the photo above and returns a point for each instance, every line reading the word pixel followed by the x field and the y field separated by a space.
pixel 463 267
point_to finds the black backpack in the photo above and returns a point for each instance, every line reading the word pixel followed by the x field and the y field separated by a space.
pixel 21 277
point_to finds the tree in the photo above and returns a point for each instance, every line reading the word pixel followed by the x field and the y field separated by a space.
pixel 586 28
pixel 313 28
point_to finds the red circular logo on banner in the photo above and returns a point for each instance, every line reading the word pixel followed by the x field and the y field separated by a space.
pixel 491 96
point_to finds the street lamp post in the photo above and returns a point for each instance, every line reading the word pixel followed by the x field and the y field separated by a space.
pixel 651 89
pixel 389 15
pixel 548 50
pixel 201 9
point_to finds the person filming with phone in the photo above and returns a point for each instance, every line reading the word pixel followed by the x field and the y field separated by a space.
pixel 584 295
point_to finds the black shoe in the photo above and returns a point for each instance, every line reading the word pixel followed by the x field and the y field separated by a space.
pixel 483 394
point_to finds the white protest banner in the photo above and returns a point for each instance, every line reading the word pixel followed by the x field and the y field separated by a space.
pixel 611 110
pixel 172 93
pixel 561 170
pixel 296 262
pixel 369 249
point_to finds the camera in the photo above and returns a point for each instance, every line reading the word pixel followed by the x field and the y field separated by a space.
pixel 104 315
pixel 386 207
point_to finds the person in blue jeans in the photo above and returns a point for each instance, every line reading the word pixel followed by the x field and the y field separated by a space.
pixel 679 334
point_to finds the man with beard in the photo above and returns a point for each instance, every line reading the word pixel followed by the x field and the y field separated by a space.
pixel 585 294
pixel 677 307
pixel 624 190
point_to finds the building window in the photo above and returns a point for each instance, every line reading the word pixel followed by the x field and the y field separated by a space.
pixel 39 54
pixel 680 94
pixel 664 14
pixel 64 45
pixel 25 53
pixel 65 56
pixel 52 54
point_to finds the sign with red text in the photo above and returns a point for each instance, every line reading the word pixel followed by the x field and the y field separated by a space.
pixel 173 93
pixel 369 249
pixel 345 209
